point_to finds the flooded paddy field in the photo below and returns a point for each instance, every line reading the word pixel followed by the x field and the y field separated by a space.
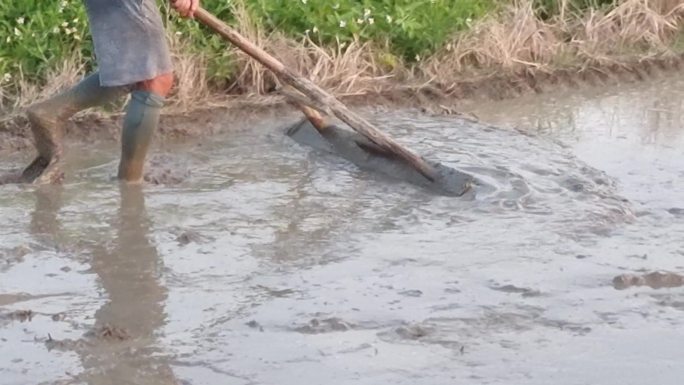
pixel 259 261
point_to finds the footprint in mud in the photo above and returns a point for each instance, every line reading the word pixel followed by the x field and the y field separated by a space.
pixel 654 280
pixel 328 325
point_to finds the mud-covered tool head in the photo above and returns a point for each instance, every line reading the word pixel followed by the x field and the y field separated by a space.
pixel 366 155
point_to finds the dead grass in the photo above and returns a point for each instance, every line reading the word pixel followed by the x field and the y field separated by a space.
pixel 648 27
pixel 344 69
pixel 512 39
pixel 518 40
pixel 191 83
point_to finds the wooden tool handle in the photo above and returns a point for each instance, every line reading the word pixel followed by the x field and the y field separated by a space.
pixel 315 93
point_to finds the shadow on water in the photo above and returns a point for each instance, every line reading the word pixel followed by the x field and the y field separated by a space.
pixel 121 346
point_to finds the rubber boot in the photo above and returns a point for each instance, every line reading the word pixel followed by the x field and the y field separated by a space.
pixel 48 118
pixel 140 122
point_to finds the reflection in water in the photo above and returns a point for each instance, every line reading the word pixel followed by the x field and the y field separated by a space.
pixel 641 114
pixel 44 223
pixel 121 347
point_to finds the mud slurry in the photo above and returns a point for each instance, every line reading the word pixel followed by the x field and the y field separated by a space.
pixel 344 142
pixel 271 263
pixel 654 280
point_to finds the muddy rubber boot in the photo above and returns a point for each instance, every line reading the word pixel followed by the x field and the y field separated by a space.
pixel 48 118
pixel 140 122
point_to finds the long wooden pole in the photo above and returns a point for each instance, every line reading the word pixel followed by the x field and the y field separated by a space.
pixel 315 93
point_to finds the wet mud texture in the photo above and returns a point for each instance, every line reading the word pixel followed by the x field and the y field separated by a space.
pixel 12 176
pixel 275 263
pixel 160 169
pixel 366 155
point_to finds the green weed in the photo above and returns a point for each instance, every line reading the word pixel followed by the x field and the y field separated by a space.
pixel 37 35
pixel 410 28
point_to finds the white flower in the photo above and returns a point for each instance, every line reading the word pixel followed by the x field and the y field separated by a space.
pixel 388 18
pixel 336 6
pixel 303 1
pixel 359 21
pixel 315 29
pixel 55 30
pixel 342 24
pixel 6 77
pixel 179 33
pixel 366 13
pixel 417 57
pixel 64 24
pixel 307 32
pixel 17 32
pixel 371 20
pixel 20 20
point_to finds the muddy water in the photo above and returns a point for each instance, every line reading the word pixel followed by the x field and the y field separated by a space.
pixel 267 263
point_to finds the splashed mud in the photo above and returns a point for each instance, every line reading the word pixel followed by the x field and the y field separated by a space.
pixel 271 263
pixel 655 280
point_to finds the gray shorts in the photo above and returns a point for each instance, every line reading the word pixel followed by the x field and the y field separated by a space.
pixel 129 39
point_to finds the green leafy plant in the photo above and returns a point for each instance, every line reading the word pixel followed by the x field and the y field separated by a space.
pixel 410 28
pixel 36 35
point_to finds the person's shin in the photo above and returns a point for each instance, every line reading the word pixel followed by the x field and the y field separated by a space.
pixel 140 122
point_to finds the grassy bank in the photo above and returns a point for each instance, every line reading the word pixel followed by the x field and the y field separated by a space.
pixel 349 46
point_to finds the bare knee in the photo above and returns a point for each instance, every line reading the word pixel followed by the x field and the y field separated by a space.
pixel 160 85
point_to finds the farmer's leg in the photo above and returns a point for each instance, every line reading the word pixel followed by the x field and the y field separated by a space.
pixel 140 122
pixel 48 117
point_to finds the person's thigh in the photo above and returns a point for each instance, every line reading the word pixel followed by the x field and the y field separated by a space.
pixel 129 40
